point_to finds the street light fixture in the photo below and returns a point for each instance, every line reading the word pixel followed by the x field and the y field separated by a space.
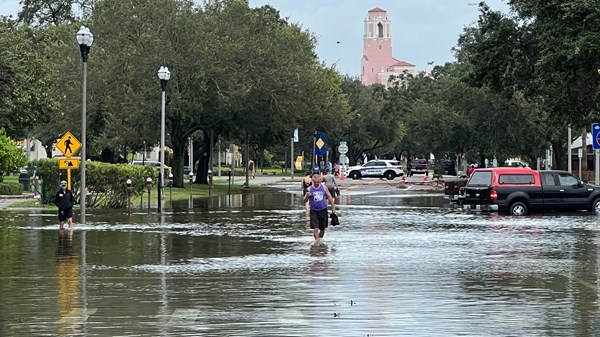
pixel 149 188
pixel 164 75
pixel 129 190
pixel 85 38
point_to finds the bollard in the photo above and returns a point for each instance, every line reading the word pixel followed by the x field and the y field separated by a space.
pixel 129 190
pixel 149 188
pixel 210 181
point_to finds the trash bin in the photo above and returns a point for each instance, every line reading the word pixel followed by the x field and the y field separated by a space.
pixel 24 180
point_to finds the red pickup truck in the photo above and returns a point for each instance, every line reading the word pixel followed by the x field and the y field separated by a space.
pixel 418 166
pixel 521 190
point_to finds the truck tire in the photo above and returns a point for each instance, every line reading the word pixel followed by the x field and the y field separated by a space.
pixel 355 175
pixel 390 175
pixel 518 208
pixel 596 206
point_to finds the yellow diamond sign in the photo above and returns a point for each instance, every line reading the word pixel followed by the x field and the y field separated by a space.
pixel 320 143
pixel 68 144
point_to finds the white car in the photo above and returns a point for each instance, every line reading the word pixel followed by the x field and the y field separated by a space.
pixel 377 168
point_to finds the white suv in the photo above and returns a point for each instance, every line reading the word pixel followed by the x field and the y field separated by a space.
pixel 378 168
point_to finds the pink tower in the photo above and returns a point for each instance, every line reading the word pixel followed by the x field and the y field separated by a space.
pixel 377 63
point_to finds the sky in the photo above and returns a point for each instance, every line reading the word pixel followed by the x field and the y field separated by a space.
pixel 422 30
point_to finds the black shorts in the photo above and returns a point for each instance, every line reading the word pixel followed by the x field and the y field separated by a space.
pixel 64 214
pixel 318 219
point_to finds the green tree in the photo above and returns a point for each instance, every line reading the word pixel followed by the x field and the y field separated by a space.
pixel 24 81
pixel 53 12
pixel 376 120
pixel 545 52
pixel 11 157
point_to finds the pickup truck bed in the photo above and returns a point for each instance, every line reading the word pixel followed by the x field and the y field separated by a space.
pixel 452 189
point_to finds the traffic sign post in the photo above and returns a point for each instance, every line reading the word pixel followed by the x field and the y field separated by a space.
pixel 68 144
pixel 596 136
pixel 68 163
pixel 343 149
pixel 596 147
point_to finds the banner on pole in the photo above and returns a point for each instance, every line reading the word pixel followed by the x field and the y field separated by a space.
pixel 296 135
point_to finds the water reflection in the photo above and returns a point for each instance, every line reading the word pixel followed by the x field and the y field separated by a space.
pixel 398 265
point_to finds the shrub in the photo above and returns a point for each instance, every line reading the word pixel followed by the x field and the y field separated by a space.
pixel 11 189
pixel 106 182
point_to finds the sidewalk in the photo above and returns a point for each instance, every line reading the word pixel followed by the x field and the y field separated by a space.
pixel 7 200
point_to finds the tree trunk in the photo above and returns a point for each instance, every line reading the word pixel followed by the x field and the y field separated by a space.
pixel 584 150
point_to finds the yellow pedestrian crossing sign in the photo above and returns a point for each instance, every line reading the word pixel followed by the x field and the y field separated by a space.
pixel 68 163
pixel 68 144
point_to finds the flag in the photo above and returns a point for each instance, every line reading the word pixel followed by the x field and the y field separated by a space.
pixel 296 135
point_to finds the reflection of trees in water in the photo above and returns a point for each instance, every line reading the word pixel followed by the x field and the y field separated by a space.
pixel 557 275
pixel 68 281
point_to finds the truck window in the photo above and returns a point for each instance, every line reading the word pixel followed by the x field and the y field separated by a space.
pixel 567 179
pixel 518 179
pixel 548 179
pixel 481 178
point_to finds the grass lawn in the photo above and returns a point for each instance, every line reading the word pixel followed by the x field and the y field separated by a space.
pixel 220 187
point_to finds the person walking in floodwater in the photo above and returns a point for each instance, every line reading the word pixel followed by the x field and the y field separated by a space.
pixel 330 183
pixel 251 168
pixel 317 196
pixel 306 182
pixel 64 200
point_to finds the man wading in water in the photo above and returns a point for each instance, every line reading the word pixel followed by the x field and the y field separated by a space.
pixel 317 196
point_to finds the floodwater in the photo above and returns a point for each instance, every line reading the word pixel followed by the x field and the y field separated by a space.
pixel 398 265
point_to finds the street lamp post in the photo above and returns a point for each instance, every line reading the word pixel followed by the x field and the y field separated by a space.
pixel 164 75
pixel 149 188
pixel 129 190
pixel 85 39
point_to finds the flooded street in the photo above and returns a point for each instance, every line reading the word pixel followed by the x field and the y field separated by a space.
pixel 400 264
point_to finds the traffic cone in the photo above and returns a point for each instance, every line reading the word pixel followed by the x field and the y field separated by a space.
pixel 341 174
pixel 425 178
pixel 403 178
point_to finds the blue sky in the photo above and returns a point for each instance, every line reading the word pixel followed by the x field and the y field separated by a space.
pixel 422 30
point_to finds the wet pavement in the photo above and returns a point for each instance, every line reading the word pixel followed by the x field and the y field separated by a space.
pixel 402 263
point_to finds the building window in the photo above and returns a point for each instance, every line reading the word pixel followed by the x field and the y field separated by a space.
pixel 379 30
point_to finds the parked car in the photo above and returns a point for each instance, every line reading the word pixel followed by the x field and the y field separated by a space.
pixel 418 166
pixel 519 190
pixel 152 163
pixel 377 168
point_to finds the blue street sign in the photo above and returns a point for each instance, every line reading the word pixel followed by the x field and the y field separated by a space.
pixel 320 146
pixel 596 136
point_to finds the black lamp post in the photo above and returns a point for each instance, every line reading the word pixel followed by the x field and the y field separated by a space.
pixel 149 188
pixel 85 38
pixel 129 190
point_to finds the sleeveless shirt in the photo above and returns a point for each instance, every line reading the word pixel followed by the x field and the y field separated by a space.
pixel 318 198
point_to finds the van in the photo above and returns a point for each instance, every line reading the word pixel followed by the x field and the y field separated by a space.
pixel 152 163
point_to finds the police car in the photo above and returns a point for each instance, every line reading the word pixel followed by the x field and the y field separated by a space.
pixel 377 168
